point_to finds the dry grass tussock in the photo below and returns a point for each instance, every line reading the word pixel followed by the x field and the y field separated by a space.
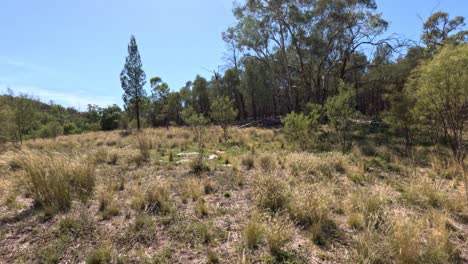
pixel 56 179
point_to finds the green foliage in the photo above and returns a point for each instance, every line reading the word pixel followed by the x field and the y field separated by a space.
pixel 400 117
pixel 298 129
pixel 111 117
pixel 340 111
pixel 51 130
pixel 70 128
pixel 132 79
pixel 222 112
pixel 442 95
pixel 197 123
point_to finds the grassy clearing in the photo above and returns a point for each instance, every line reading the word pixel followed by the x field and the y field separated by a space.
pixel 136 199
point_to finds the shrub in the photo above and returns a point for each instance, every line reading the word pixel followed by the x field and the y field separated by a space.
pixel 270 192
pixel 340 111
pixel 56 179
pixel 297 129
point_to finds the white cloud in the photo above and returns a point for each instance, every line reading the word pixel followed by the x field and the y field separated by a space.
pixel 78 99
pixel 25 65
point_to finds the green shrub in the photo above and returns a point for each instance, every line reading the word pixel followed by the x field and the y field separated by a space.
pixel 297 129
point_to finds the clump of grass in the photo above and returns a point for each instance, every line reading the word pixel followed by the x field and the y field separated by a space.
pixel 367 205
pixel 201 209
pixel 143 228
pixel 203 232
pixel 212 257
pixel 278 235
pixel 356 221
pixel 69 226
pixel 105 199
pixel 309 207
pixel 157 199
pixel 371 247
pixel 422 192
pixel 248 161
pixel 267 163
pixel 144 145
pixel 311 167
pixel 100 155
pixel 270 192
pixel 110 212
pixel 310 204
pixel 414 239
pixel 56 179
pixel 253 233
pixel 101 255
pixel 192 188
pixel 198 165
pixel 112 158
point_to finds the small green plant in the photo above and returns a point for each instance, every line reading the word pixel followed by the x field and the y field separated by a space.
pixel 298 129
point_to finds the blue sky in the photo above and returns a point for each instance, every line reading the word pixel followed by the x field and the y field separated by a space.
pixel 72 52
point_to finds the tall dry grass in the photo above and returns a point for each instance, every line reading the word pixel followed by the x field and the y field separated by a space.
pixel 56 179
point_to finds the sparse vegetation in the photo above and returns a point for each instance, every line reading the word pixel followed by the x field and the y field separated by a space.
pixel 323 139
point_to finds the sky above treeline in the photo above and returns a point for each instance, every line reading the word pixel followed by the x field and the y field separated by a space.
pixel 72 52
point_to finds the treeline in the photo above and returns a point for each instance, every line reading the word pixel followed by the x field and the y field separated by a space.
pixel 329 60
pixel 284 56
pixel 24 117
